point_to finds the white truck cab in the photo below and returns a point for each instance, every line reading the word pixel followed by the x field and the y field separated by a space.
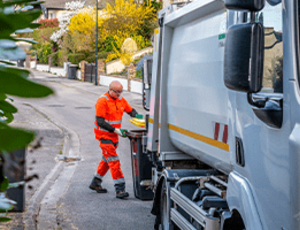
pixel 224 126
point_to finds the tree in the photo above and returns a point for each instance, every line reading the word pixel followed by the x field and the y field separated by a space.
pixel 14 18
pixel 117 22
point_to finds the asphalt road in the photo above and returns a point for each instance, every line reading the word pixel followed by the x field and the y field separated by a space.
pixel 67 202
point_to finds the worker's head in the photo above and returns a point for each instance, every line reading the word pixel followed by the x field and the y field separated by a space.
pixel 115 89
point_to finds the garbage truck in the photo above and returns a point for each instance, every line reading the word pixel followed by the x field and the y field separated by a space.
pixel 223 127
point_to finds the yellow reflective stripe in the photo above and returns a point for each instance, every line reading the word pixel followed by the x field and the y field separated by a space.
pixel 151 121
pixel 199 137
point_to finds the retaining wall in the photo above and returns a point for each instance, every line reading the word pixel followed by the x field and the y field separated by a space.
pixel 135 84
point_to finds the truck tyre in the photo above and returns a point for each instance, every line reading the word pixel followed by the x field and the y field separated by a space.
pixel 166 223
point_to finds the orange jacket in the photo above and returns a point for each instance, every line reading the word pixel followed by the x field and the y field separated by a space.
pixel 112 110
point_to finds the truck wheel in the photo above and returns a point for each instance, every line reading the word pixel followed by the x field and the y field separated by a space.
pixel 166 223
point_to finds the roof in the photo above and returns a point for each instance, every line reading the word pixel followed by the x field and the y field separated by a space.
pixel 60 4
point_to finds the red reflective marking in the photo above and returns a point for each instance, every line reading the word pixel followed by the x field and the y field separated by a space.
pixel 225 134
pixel 134 147
pixel 136 167
pixel 217 129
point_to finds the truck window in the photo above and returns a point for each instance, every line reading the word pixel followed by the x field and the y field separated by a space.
pixel 271 18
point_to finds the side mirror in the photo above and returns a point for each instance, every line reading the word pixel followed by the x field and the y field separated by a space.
pixel 147 79
pixel 243 57
pixel 147 75
pixel 251 5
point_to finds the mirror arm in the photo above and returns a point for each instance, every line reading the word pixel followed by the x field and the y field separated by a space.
pixel 260 103
pixel 252 18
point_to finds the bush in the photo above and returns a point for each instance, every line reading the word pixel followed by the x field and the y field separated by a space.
pixel 76 58
pixel 90 57
pixel 57 59
pixel 42 36
pixel 43 53
pixel 48 23
pixel 139 74
pixel 103 55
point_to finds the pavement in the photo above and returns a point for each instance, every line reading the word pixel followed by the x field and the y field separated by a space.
pixel 39 160
pixel 55 161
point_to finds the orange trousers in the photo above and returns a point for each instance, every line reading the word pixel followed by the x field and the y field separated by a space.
pixel 110 160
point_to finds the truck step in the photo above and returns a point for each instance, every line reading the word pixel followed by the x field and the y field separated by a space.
pixel 180 221
pixel 188 206
pixel 146 183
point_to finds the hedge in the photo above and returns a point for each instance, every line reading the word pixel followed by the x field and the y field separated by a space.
pixel 76 58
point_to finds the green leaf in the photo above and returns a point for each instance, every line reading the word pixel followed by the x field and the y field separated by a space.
pixel 5 219
pixel 22 31
pixel 7 63
pixel 5 203
pixel 34 25
pixel 15 53
pixel 22 72
pixel 2 96
pixel 4 184
pixel 26 40
pixel 11 99
pixel 13 138
pixel 7 107
pixel 14 82
pixel 9 117
pixel 13 3
pixel 9 23
pixel 16 184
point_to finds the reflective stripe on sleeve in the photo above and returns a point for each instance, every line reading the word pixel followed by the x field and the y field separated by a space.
pixel 99 128
pixel 108 141
pixel 110 122
pixel 105 97
pixel 114 122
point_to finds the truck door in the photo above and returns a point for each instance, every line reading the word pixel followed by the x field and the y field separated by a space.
pixel 262 132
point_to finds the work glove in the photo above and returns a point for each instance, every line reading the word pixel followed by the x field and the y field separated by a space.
pixel 121 132
pixel 139 116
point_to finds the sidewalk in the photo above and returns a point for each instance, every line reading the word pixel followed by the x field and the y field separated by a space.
pixel 40 160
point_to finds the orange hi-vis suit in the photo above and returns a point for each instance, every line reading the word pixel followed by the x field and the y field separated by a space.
pixel 112 111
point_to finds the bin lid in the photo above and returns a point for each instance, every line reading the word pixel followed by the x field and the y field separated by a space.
pixel 138 122
pixel 72 65
pixel 136 133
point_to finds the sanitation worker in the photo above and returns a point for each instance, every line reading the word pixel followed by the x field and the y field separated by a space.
pixel 109 112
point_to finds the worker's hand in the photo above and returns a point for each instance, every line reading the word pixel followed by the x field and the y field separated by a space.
pixel 139 116
pixel 121 132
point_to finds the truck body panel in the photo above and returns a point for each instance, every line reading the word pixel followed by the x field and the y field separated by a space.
pixel 195 97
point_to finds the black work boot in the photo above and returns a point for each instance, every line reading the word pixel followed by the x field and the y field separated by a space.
pixel 96 185
pixel 122 194
pixel 120 191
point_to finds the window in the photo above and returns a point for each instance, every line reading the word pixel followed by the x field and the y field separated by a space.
pixel 271 18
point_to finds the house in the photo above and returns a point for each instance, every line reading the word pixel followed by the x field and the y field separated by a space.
pixel 55 8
